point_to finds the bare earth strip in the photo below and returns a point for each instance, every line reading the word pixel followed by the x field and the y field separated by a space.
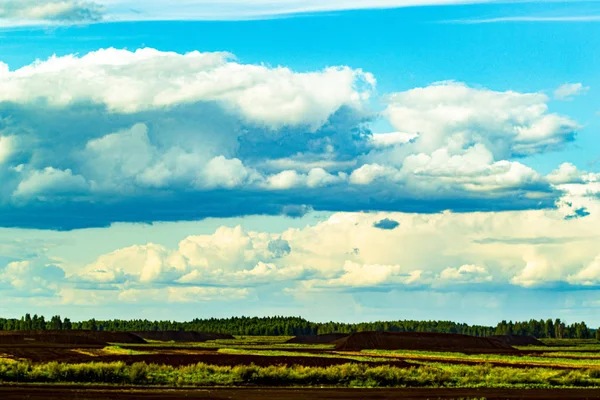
pixel 65 392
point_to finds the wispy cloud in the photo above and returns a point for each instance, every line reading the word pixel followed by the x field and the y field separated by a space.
pixel 14 13
pixel 253 9
pixel 529 18
pixel 568 90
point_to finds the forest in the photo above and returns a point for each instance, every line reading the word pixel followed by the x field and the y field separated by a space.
pixel 297 326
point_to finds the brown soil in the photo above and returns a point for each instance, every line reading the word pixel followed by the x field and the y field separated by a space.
pixel 517 340
pixel 178 358
pixel 116 337
pixel 45 354
pixel 424 341
pixel 37 338
pixel 181 336
pixel 318 339
pixel 34 392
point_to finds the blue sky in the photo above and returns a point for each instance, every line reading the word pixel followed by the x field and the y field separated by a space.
pixel 270 157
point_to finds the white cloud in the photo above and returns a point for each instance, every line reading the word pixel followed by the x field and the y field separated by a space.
pixel 50 182
pixel 466 274
pixel 147 264
pixel 111 165
pixel 568 90
pixel 453 115
pixel 368 173
pixel 31 278
pixel 316 177
pixel 474 171
pixel 392 138
pixel 566 173
pixel 222 172
pixel 285 180
pixel 6 147
pixel 538 270
pixel 531 18
pixel 357 275
pixel 110 159
pixel 527 249
pixel 149 79
pixel 214 130
pixel 587 276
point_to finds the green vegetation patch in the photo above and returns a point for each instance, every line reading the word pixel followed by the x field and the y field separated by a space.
pixel 548 360
pixel 347 375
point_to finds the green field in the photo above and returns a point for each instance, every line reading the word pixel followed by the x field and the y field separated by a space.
pixel 561 364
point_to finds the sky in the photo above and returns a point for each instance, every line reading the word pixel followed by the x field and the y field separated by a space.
pixel 337 160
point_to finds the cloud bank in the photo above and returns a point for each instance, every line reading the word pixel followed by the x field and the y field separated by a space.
pixel 158 136
pixel 345 253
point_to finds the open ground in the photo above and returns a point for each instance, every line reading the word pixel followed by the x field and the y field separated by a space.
pixel 83 364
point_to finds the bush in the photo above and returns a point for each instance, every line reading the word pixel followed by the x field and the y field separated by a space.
pixel 138 372
pixel 594 373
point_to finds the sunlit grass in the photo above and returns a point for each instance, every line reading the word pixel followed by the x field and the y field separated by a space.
pixel 548 360
pixel 347 375
pixel 117 350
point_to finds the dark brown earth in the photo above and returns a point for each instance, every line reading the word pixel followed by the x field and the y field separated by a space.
pixel 516 340
pixel 69 337
pixel 36 338
pixel 317 339
pixel 423 341
pixel 65 392
pixel 181 336
pixel 176 359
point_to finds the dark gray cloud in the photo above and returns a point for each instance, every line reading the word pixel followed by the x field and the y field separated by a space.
pixel 279 248
pixel 578 213
pixel 387 224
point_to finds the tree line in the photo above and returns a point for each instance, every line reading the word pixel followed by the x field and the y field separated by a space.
pixel 296 326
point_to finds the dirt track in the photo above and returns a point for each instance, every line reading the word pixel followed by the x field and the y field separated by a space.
pixel 64 392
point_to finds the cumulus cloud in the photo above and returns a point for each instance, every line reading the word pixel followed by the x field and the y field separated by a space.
pixel 150 79
pixel 587 276
pixel 50 181
pixel 566 173
pixel 25 12
pixel 453 115
pixel 31 278
pixel 437 252
pixel 358 275
pixel 568 90
pixel 466 274
pixel 538 270
pixel 215 138
pixel 479 247
pixel 392 139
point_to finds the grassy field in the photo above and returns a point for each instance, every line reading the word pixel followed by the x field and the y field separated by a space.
pixel 561 364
